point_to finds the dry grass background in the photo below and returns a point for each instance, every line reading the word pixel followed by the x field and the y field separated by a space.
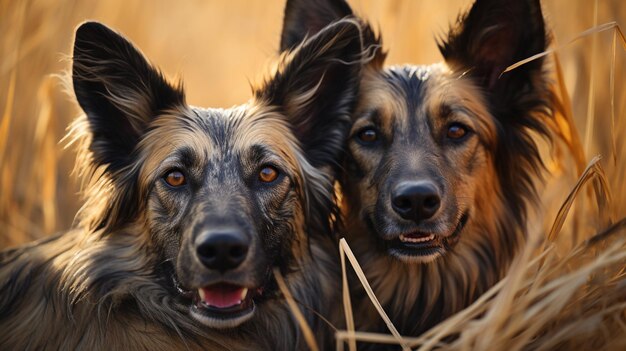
pixel 559 290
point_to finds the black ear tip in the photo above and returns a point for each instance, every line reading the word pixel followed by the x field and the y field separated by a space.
pixel 90 29
pixel 92 35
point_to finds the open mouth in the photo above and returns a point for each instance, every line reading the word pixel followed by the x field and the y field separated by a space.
pixel 424 246
pixel 222 305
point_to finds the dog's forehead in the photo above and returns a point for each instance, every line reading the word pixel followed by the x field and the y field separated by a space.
pixel 218 134
pixel 398 94
pixel 414 84
pixel 230 138
pixel 408 97
pixel 217 124
pixel 409 79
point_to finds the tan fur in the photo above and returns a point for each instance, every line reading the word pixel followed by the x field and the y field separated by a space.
pixel 457 270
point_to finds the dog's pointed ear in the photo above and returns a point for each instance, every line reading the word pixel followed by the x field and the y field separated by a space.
pixel 119 92
pixel 316 88
pixel 304 18
pixel 493 35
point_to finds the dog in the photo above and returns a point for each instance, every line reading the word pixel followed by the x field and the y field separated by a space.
pixel 188 209
pixel 442 161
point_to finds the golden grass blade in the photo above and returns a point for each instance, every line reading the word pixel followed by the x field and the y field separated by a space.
pixel 547 305
pixel 597 29
pixel 5 124
pixel 591 116
pixel 6 176
pixel 566 127
pixel 345 250
pixel 45 140
pixel 589 173
pixel 304 326
pixel 456 324
pixel 433 337
pixel 347 304
pixel 612 95
pixel 616 227
pixel 378 338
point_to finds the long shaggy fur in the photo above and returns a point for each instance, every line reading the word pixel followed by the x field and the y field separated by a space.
pixel 121 279
pixel 487 184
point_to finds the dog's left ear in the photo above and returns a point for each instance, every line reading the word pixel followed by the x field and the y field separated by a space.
pixel 119 91
pixel 493 35
pixel 316 89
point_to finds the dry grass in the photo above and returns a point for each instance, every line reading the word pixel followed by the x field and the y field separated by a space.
pixel 566 290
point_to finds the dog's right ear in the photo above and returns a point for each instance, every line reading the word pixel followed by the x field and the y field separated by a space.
pixel 306 17
pixel 118 90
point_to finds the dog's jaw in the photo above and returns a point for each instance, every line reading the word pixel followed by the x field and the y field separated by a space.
pixel 422 248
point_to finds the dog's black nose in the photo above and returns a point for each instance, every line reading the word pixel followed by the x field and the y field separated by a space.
pixel 222 250
pixel 416 201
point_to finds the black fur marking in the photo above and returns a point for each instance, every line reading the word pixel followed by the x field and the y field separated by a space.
pixel 409 83
pixel 187 157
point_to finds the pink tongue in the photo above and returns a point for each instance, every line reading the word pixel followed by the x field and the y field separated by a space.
pixel 222 295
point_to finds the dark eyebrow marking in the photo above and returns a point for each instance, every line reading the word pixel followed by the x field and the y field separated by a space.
pixel 258 153
pixel 187 157
pixel 373 115
pixel 446 111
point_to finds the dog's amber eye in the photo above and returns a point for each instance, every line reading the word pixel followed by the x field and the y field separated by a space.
pixel 268 174
pixel 368 135
pixel 175 179
pixel 456 131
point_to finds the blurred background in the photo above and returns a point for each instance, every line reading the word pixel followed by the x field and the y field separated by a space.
pixel 220 47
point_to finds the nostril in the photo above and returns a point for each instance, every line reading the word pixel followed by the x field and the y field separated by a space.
pixel 431 202
pixel 238 251
pixel 402 202
pixel 206 251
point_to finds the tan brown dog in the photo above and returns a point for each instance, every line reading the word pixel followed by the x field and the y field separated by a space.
pixel 440 160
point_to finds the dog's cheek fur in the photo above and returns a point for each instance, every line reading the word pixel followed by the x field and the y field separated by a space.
pixel 486 40
pixel 280 227
pixel 278 208
pixel 166 211
pixel 365 165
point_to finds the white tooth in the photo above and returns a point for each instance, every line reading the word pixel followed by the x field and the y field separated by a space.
pixel 244 293
pixel 201 293
pixel 417 240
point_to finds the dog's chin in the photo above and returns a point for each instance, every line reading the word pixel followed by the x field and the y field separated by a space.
pixel 424 247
